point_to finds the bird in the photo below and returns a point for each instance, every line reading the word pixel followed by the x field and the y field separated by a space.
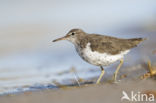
pixel 100 50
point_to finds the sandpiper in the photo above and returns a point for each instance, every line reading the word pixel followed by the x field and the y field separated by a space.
pixel 100 50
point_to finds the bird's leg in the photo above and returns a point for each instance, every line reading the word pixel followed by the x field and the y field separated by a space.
pixel 101 75
pixel 117 70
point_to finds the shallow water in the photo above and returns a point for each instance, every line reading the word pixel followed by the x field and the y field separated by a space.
pixel 34 68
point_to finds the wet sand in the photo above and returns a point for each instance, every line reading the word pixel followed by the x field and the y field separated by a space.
pixel 104 93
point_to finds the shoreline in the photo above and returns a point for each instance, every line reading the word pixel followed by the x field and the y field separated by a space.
pixel 91 93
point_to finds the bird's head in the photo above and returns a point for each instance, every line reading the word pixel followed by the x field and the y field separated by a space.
pixel 73 36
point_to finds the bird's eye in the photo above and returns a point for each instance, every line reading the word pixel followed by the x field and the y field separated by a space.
pixel 73 33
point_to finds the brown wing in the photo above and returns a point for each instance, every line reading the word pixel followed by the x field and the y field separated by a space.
pixel 110 45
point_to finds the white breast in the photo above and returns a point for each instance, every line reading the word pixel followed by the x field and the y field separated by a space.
pixel 99 59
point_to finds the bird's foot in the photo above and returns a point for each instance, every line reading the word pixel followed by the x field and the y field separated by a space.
pixel 114 78
pixel 113 82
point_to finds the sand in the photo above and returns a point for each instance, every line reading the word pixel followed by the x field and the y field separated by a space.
pixel 103 93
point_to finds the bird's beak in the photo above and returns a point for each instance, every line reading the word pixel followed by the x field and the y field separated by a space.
pixel 62 38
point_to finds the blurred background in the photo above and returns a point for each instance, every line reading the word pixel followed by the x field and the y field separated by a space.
pixel 28 57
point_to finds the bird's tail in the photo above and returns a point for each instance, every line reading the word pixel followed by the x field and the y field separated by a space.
pixel 135 41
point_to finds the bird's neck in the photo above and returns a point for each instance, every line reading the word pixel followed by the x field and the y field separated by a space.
pixel 78 40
